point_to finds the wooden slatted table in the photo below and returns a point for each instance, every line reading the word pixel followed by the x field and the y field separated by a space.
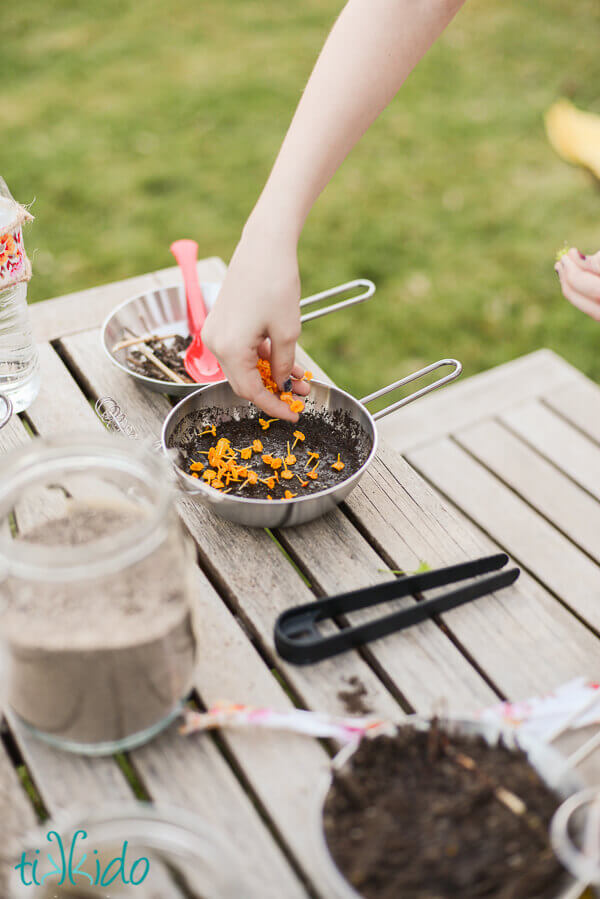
pixel 510 458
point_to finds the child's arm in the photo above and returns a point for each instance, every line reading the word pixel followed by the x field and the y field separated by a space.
pixel 370 51
pixel 580 281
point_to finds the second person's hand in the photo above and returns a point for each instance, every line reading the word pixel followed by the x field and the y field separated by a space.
pixel 256 314
pixel 580 281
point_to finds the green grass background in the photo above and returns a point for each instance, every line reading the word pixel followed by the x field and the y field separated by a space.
pixel 135 124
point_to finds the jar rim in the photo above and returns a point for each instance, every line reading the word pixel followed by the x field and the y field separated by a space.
pixel 76 454
pixel 162 827
pixel 5 410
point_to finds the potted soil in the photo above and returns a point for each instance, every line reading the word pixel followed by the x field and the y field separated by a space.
pixel 433 813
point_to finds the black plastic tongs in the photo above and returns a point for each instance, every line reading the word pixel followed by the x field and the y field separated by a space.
pixel 297 636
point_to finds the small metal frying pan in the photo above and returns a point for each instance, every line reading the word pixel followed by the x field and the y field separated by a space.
pixel 323 400
pixel 163 312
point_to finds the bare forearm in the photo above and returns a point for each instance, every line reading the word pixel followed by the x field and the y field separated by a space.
pixel 370 51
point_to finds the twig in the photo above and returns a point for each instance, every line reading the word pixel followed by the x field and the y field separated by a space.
pixel 145 338
pixel 147 352
pixel 506 797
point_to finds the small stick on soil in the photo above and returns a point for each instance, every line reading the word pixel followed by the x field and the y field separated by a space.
pixel 145 338
pixel 147 352
pixel 510 800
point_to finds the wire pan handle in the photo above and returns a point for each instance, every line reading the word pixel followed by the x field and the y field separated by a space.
pixel 369 290
pixel 456 370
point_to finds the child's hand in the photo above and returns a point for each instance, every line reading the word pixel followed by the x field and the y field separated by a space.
pixel 580 281
pixel 257 314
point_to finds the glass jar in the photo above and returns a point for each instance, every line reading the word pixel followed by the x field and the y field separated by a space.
pixel 97 614
pixel 166 852
pixel 575 836
pixel 19 360
pixel 5 410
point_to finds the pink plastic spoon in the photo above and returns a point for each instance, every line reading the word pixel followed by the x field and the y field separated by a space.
pixel 200 364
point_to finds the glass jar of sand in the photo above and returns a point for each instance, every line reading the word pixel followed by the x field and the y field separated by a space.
pixel 97 617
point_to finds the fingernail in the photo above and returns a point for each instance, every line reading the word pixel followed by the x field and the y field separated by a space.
pixel 582 256
pixel 556 270
pixel 287 386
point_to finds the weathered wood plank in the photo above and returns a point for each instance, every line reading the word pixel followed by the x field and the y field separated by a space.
pixel 523 639
pixel 556 562
pixel 558 441
pixel 282 769
pixel 87 309
pixel 477 397
pixel 18 817
pixel 425 666
pixel 567 506
pixel 191 773
pixel 210 269
pixel 60 407
pixel 257 841
pixel 13 435
pixel 84 309
pixel 63 779
pixel 579 403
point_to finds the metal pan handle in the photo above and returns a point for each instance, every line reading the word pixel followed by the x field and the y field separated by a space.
pixel 369 290
pixel 456 370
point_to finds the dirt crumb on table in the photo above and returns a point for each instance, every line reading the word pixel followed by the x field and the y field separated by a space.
pixel 354 697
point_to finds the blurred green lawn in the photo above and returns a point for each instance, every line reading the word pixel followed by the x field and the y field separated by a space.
pixel 135 124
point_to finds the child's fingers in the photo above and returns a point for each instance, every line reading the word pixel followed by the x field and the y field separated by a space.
pixel 255 391
pixel 581 280
pixel 298 385
pixel 298 371
pixel 585 304
pixel 301 388
pixel 246 382
pixel 586 263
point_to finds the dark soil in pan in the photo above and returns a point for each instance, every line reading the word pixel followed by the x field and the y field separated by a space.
pixel 404 819
pixel 326 433
pixel 170 351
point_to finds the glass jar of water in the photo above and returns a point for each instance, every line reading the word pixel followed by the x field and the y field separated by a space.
pixel 19 362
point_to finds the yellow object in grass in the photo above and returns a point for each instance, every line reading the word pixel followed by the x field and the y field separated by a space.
pixel 575 135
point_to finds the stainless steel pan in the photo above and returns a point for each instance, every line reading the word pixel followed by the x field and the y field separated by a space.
pixel 323 398
pixel 163 311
